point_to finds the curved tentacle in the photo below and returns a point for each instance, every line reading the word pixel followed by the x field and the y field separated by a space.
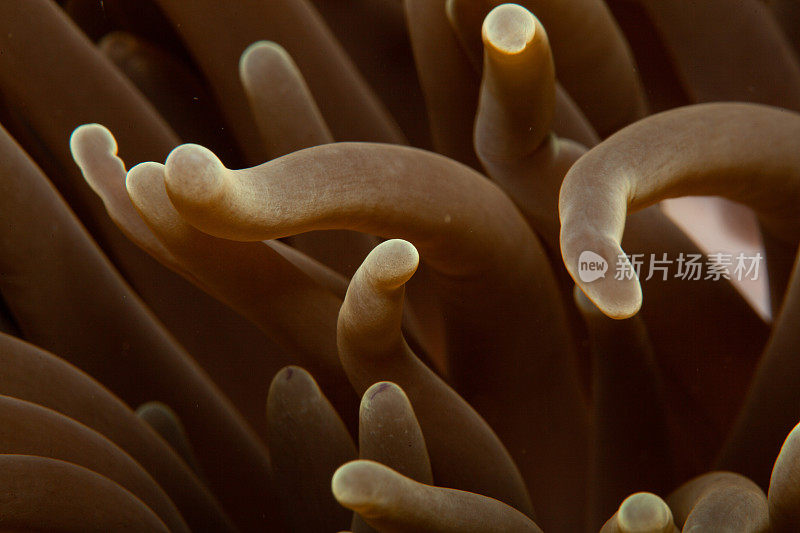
pixel 289 120
pixel 720 501
pixel 36 376
pixel 784 493
pixel 772 404
pixel 53 495
pixel 637 167
pixel 728 51
pixel 261 280
pixel 372 348
pixel 78 306
pixel 255 280
pixel 57 79
pixel 529 167
pixel 94 149
pixel 467 230
pixel 30 429
pixel 307 442
pixel 166 423
pixel 389 501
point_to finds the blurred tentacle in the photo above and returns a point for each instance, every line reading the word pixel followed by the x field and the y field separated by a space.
pixel 36 376
pixel 631 438
pixel 375 36
pixel 770 408
pixel 389 501
pixel 217 33
pixel 57 79
pixel 78 306
pixel 30 429
pixel 53 495
pixel 642 512
pixel 389 434
pixel 178 93
pixel 720 501
pixel 637 167
pixel 784 491
pixel 728 51
pixel 307 442
pixel 166 423
pixel 448 81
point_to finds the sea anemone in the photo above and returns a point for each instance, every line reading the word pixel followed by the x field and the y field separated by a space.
pixel 381 321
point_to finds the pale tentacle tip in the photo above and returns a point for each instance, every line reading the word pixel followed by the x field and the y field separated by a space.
pixel 355 485
pixel 296 381
pixel 508 29
pixel 90 139
pixel 603 272
pixel 256 57
pixel 194 174
pixel 392 263
pixel 644 512
pixel 142 178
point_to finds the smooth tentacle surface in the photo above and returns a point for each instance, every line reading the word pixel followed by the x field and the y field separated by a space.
pixel 596 69
pixel 289 120
pixel 720 501
pixel 637 167
pixel 772 404
pixel 467 230
pixel 515 114
pixel 78 306
pixel 631 437
pixel 30 429
pixel 307 442
pixel 389 434
pixel 295 24
pixel 784 490
pixel 512 142
pixel 389 501
pixel 166 423
pixel 53 495
pixel 38 377
pixel 372 348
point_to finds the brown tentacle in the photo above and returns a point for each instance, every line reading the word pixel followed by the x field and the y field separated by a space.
pixel 52 495
pixel 307 442
pixel 389 501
